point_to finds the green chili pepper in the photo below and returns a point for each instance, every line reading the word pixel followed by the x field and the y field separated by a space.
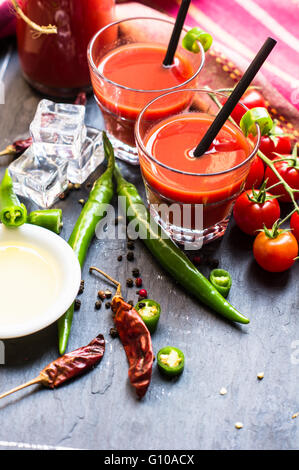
pixel 222 280
pixel 84 230
pixel 50 219
pixel 150 311
pixel 169 255
pixel 171 361
pixel 12 212
pixel 190 40
pixel 255 116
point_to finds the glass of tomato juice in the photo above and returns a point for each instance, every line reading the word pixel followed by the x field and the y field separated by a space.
pixel 192 198
pixel 128 72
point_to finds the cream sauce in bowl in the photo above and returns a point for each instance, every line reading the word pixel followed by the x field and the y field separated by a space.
pixel 39 279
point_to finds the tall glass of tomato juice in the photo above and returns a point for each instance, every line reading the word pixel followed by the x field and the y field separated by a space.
pixel 56 64
pixel 192 198
pixel 128 72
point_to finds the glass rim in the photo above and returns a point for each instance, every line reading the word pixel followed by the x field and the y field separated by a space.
pixel 139 139
pixel 162 90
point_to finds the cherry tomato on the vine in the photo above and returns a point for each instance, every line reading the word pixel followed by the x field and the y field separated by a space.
pixel 294 224
pixel 289 170
pixel 256 174
pixel 252 99
pixel 251 215
pixel 275 254
pixel 269 146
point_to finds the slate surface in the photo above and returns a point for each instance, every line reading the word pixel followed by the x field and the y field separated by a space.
pixel 100 411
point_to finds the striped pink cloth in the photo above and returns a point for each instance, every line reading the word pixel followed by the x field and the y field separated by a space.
pixel 241 26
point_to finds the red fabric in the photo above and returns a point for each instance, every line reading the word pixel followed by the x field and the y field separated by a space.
pixel 248 23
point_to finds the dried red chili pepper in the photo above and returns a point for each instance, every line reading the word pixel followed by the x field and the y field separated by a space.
pixel 135 338
pixel 68 366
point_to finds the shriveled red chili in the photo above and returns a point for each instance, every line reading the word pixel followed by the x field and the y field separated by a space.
pixel 135 338
pixel 68 366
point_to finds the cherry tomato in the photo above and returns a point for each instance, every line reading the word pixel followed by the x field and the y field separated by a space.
pixel 251 216
pixel 252 99
pixel 294 223
pixel 275 254
pixel 281 144
pixel 289 173
pixel 256 174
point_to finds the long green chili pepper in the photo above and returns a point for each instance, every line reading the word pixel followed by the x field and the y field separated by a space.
pixel 84 230
pixel 50 219
pixel 12 212
pixel 169 255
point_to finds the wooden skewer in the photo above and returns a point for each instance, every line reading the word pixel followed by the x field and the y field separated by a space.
pixel 118 284
pixel 35 381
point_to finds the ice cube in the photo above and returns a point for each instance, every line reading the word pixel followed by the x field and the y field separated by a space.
pixel 59 124
pixel 38 176
pixel 91 156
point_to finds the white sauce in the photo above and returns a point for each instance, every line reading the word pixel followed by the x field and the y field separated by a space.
pixel 29 282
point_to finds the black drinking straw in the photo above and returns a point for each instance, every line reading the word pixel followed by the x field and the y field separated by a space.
pixel 177 29
pixel 235 97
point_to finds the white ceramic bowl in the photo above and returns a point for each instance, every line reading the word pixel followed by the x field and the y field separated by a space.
pixel 69 271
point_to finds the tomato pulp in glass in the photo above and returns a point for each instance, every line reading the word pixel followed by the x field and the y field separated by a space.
pixel 55 63
pixel 172 142
pixel 138 66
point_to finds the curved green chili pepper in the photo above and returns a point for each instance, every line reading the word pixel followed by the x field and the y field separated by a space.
pixel 12 212
pixel 173 260
pixel 84 230
pixel 50 219
pixel 190 40
pixel 222 281
pixel 171 361
pixel 255 116
pixel 150 311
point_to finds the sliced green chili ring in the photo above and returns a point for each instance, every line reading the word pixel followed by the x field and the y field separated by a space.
pixel 12 212
pixel 221 280
pixel 190 40
pixel 150 311
pixel 255 116
pixel 171 361
pixel 50 219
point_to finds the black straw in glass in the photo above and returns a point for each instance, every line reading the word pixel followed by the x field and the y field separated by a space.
pixel 179 23
pixel 235 97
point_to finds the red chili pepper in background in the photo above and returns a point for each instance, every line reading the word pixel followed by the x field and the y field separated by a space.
pixel 68 366
pixel 135 338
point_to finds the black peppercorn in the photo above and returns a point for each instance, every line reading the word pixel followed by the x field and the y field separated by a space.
pixel 108 294
pixel 130 302
pixel 98 304
pixel 81 288
pixel 130 245
pixel 130 256
pixel 77 304
pixel 113 332
pixel 108 305
pixel 119 258
pixel 135 272
pixel 130 282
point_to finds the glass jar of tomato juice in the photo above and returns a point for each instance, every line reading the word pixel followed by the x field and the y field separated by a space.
pixel 56 64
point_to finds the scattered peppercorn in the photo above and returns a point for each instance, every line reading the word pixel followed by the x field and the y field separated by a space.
pixel 130 245
pixel 135 272
pixel 89 184
pixel 213 263
pixel 98 304
pixel 108 305
pixel 141 305
pixel 101 295
pixel 130 256
pixel 142 293
pixel 138 282
pixel 77 304
pixel 81 201
pixel 197 260
pixel 81 288
pixel 108 294
pixel 119 258
pixel 130 282
pixel 130 302
pixel 77 186
pixel 113 332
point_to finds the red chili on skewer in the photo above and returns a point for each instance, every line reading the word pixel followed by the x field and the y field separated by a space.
pixel 135 338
